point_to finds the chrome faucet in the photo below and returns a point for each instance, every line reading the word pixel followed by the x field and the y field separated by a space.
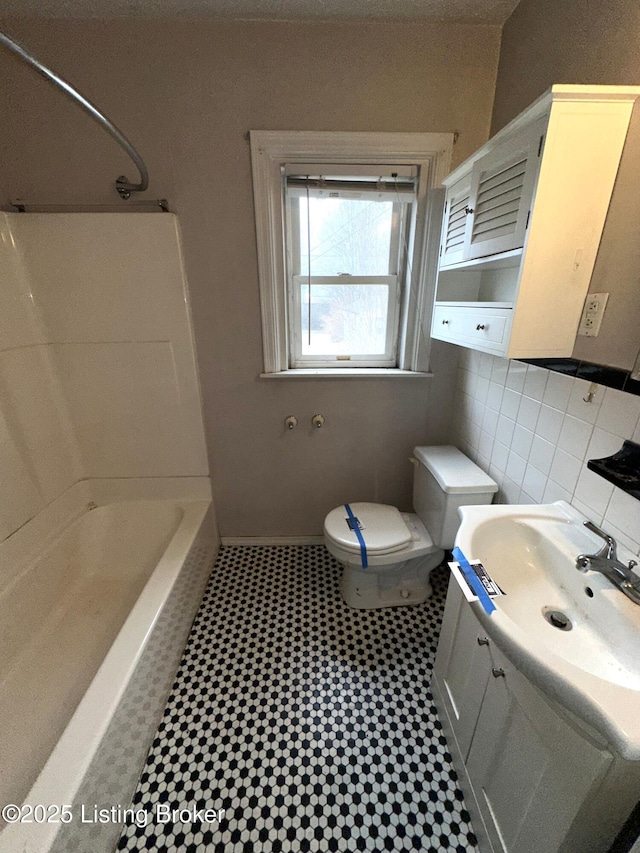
pixel 607 563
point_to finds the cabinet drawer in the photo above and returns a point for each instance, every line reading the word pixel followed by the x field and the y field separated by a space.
pixel 470 326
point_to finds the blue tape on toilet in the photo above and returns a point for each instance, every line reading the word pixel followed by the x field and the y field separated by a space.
pixel 356 529
pixel 474 581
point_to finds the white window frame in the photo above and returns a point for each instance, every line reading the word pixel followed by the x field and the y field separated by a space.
pixel 270 151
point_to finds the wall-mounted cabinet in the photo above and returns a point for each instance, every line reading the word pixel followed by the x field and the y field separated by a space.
pixel 534 777
pixel 522 224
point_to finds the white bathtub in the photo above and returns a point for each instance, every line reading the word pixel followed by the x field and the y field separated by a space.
pixel 97 594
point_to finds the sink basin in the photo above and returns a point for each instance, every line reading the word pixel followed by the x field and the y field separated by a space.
pixel 587 658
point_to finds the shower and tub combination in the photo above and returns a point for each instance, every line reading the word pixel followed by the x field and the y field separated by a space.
pixel 107 533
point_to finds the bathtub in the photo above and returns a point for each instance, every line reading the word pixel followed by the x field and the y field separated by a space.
pixel 97 595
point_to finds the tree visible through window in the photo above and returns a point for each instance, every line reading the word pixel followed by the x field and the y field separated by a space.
pixel 347 235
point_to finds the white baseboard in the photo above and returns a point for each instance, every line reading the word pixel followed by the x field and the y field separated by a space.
pixel 276 541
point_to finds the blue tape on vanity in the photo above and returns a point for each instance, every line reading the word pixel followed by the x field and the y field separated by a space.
pixel 474 581
pixel 356 529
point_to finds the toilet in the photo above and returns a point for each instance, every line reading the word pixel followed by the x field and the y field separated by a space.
pixel 387 555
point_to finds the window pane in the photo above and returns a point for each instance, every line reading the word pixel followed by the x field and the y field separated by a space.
pixel 346 235
pixel 346 319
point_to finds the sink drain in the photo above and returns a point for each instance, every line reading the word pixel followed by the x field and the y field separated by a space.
pixel 558 619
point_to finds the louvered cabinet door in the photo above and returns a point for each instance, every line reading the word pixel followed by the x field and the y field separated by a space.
pixel 457 222
pixel 503 183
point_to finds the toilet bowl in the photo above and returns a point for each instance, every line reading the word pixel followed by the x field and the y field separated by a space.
pixel 399 554
pixel 387 555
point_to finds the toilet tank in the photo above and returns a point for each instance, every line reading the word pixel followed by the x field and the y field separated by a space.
pixel 445 479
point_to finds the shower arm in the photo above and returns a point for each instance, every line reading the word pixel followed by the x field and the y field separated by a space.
pixel 123 187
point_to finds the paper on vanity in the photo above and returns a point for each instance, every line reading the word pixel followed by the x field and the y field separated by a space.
pixel 490 586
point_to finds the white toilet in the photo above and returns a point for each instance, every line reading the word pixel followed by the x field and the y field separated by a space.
pixel 388 555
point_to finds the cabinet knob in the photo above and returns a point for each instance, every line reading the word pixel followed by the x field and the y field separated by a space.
pixel 479 327
pixel 468 209
pixel 445 322
pixel 497 673
pixel 483 641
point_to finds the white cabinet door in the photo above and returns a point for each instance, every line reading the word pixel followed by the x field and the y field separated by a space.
pixel 502 186
pixel 457 222
pixel 462 666
pixel 530 770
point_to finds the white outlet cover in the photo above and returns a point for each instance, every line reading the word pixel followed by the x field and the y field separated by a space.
pixel 592 314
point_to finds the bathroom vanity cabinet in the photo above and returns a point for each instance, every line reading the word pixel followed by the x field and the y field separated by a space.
pixel 534 777
pixel 522 224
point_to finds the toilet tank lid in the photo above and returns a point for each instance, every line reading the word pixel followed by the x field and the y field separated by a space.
pixel 454 472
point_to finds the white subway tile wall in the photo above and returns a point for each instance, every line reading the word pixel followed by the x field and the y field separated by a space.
pixel 533 431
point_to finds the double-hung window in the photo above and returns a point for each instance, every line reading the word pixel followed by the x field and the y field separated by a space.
pixel 347 241
pixel 346 248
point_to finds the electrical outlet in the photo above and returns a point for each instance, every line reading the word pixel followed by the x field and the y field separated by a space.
pixel 592 314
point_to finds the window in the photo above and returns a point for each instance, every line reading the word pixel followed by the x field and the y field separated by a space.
pixel 344 248
pixel 347 248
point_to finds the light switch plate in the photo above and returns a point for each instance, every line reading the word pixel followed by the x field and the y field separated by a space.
pixel 592 314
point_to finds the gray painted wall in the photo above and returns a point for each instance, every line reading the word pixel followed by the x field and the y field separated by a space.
pixel 186 93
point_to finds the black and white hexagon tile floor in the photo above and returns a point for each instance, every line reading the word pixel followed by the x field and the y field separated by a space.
pixel 310 724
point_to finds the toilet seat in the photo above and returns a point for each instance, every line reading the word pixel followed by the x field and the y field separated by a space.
pixel 419 542
pixel 382 527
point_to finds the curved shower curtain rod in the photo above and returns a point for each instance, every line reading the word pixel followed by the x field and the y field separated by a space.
pixel 123 186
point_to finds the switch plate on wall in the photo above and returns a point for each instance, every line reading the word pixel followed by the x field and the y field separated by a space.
pixel 592 314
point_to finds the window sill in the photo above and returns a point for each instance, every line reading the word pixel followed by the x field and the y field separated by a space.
pixel 347 373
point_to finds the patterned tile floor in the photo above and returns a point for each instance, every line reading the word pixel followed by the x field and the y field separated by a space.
pixel 310 724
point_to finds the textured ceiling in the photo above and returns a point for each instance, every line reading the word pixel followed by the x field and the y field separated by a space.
pixel 477 11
